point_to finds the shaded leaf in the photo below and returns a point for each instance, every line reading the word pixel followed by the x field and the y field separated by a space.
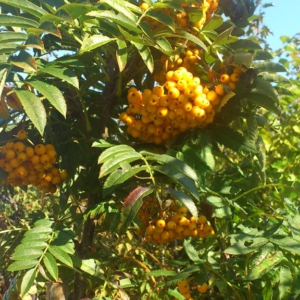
pixel 161 17
pixel 232 139
pixel 269 66
pixel 216 201
pixel 51 28
pixel 25 61
pixel 146 55
pixel 27 6
pixel 33 108
pixel 287 243
pixel 263 101
pixel 62 73
pixel 120 6
pixel 132 204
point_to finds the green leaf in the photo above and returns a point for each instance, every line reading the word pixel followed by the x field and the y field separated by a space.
pixel 216 201
pixel 159 273
pixel 225 37
pixel 264 87
pixel 27 281
pixel 263 101
pixel 113 150
pixel 50 27
pixel 86 265
pixel 269 66
pixel 121 54
pixel 33 108
pixel 262 55
pixel 26 6
pixel 74 10
pixel 119 176
pixel 185 200
pixel 25 61
pixel 275 78
pixel 132 204
pixel 191 251
pixel 146 55
pixel 16 21
pixel 185 35
pixel 51 265
pixel 267 264
pixel 232 139
pixel 285 282
pixel 92 42
pixel 120 6
pixel 245 44
pixel 172 161
pixel 22 253
pixel 34 41
pixel 44 223
pixel 21 265
pixel 170 4
pixel 176 294
pixel 120 19
pixel 179 177
pixel 161 17
pixel 267 291
pixel 52 94
pixel 215 22
pixel 246 246
pixel 62 256
pixel 114 163
pixel 10 36
pixel 287 243
pixel 62 73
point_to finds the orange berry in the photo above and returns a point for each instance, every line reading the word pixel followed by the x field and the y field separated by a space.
pixel 219 89
pixel 202 219
pixel 152 100
pixel 225 78
pixel 14 162
pixel 10 154
pixel 171 225
pixel 173 93
pixel 211 96
pixel 158 90
pixel 19 147
pixel 22 157
pixel 22 135
pixel 21 172
pixel 40 149
pixel 162 111
pixel 44 159
pixel 9 145
pixel 63 175
pixel 161 223
pixel 202 288
pixel 234 77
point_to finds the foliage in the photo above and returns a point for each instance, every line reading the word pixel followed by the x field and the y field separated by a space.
pixel 67 71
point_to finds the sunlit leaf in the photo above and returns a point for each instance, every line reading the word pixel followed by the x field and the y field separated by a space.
pixel 17 21
pixel 51 265
pixel 52 94
pixel 27 281
pixel 34 109
pixel 94 41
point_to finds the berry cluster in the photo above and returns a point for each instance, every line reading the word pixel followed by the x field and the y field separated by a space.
pixel 171 223
pixel 183 19
pixel 160 114
pixel 185 289
pixel 34 165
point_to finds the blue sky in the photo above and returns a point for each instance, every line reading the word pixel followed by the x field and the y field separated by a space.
pixel 283 19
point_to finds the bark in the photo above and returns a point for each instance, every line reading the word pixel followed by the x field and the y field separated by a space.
pixel 57 291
